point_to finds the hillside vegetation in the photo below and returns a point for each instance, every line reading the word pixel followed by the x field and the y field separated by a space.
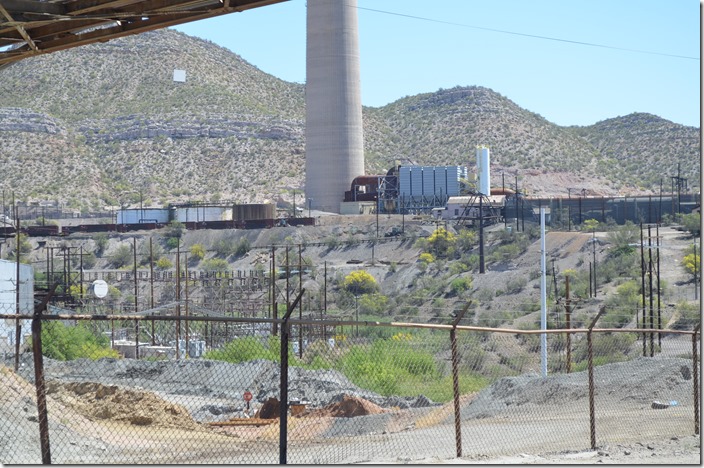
pixel 96 125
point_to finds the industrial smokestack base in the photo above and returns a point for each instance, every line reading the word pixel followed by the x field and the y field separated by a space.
pixel 334 139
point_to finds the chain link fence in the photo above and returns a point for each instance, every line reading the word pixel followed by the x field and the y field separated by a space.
pixel 216 389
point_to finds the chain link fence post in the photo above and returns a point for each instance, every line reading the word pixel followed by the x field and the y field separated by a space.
pixel 695 375
pixel 42 416
pixel 455 380
pixel 590 368
pixel 283 404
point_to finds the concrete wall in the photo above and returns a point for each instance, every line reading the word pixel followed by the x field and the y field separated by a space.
pixel 357 208
pixel 334 139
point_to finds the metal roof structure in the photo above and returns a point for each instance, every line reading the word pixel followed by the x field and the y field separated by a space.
pixel 32 27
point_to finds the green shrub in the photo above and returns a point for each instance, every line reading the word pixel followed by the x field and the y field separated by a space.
pixel 485 295
pixel 242 247
pixel 373 304
pixel 442 243
pixel 164 264
pixel 466 240
pixel 382 366
pixel 247 348
pixel 66 343
pixel 173 235
pixel 621 307
pixel 688 316
pixel 460 285
pixel 101 242
pixel 89 260
pixel 223 247
pixel 198 251
pixel 612 347
pixel 691 222
pixel 622 237
pixel 172 242
pixel 426 258
pixel 516 285
pixel 215 264
pixel 122 256
pixel 360 282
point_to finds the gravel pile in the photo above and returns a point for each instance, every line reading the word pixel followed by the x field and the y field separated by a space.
pixel 213 390
pixel 641 380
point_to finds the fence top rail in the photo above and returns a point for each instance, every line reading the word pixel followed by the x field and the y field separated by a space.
pixel 318 322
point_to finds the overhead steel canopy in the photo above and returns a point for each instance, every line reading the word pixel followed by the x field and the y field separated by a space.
pixel 31 27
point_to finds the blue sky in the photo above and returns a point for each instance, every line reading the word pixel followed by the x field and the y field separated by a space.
pixel 409 47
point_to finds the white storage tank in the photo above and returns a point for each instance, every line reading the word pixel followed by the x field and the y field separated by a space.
pixel 483 178
pixel 190 214
pixel 145 215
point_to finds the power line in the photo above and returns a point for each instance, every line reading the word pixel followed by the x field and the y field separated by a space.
pixel 535 36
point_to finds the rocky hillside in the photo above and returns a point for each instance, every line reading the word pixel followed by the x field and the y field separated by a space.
pixel 97 125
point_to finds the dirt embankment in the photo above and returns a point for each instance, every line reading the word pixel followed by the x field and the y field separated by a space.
pixel 96 401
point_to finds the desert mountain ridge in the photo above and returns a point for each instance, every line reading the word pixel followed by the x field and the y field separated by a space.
pixel 106 124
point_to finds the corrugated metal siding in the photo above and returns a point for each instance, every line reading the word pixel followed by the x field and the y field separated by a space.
pixel 417 181
pixel 254 211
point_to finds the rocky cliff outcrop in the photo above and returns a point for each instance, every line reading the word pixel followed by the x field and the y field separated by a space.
pixel 14 119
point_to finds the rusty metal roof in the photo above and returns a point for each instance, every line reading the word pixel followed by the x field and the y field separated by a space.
pixel 31 27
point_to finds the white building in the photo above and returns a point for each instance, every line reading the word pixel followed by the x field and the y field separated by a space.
pixel 8 302
pixel 457 207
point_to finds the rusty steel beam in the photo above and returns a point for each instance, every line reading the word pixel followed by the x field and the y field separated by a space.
pixel 57 26
pixel 20 29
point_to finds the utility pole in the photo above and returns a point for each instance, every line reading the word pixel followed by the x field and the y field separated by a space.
pixel 516 202
pixel 377 215
pixel 18 324
pixel 188 330
pixel 650 290
pixel 594 256
pixel 151 284
pixel 568 314
pixel 695 269
pixel 136 301
pixel 481 235
pixel 80 289
pixel 294 204
pixel 503 190
pixel 300 303
pixel 274 305
pixel 657 238
pixel 642 286
pixel 178 299
pixel 679 183
pixel 660 204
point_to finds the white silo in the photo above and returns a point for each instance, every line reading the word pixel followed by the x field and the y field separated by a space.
pixel 334 141
pixel 483 179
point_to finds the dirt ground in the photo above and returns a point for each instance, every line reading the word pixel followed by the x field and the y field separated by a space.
pixel 525 419
pixel 673 451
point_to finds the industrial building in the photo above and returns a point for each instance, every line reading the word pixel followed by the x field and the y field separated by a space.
pixel 8 302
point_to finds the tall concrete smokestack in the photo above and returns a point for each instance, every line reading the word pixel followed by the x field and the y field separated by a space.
pixel 334 141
